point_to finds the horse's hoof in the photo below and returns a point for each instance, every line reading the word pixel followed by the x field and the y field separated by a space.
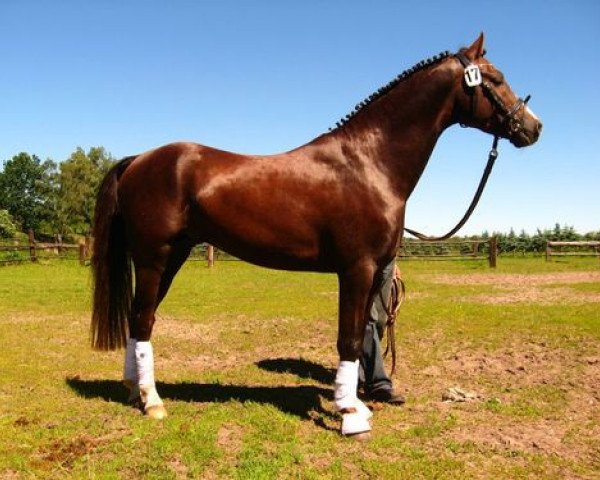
pixel 355 427
pixel 360 437
pixel 136 402
pixel 156 412
pixel 355 421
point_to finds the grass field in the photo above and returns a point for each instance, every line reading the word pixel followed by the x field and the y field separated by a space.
pixel 245 361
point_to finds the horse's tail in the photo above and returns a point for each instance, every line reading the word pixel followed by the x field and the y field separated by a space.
pixel 111 265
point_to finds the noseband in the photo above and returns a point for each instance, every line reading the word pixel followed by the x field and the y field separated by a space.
pixel 474 79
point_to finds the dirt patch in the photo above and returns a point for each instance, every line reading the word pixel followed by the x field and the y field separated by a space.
pixel 24 318
pixel 10 475
pixel 534 294
pixel 563 382
pixel 515 279
pixel 233 342
pixel 182 330
pixel 178 467
pixel 524 288
pixel 525 365
pixel 230 438
pixel 589 383
pixel 540 437
pixel 182 343
pixel 66 452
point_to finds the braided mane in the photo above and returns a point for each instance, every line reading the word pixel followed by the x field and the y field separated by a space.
pixel 389 86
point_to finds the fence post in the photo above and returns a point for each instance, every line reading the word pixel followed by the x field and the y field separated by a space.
pixel 59 245
pixel 89 245
pixel 82 252
pixel 547 250
pixel 32 253
pixel 493 251
pixel 210 255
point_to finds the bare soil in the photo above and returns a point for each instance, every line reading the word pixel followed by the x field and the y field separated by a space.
pixel 517 288
pixel 509 279
pixel 563 384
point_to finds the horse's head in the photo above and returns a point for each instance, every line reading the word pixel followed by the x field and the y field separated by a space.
pixel 485 100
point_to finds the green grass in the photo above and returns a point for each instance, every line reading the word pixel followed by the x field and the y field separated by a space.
pixel 244 361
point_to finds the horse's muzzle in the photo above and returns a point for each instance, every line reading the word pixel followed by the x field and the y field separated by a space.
pixel 529 133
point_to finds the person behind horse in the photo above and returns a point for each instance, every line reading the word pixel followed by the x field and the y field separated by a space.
pixel 376 384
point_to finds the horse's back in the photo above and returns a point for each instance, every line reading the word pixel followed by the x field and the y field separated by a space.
pixel 242 203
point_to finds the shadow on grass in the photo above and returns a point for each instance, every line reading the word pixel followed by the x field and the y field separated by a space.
pixel 303 401
pixel 299 367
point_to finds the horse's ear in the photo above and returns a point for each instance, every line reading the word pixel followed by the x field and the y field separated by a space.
pixel 476 50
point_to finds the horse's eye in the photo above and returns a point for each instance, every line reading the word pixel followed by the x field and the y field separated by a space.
pixel 497 77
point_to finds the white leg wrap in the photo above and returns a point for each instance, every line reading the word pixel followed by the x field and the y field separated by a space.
pixel 144 358
pixel 346 383
pixel 149 396
pixel 130 373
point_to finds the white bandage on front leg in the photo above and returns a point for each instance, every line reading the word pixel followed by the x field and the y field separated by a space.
pixel 346 383
pixel 130 372
pixel 355 414
pixel 144 358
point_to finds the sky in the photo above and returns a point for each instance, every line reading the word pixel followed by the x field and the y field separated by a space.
pixel 265 77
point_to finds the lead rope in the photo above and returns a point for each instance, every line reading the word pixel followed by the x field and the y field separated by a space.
pixel 492 156
pixel 397 296
pixel 398 292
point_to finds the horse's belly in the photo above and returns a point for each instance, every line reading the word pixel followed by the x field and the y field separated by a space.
pixel 277 256
pixel 270 240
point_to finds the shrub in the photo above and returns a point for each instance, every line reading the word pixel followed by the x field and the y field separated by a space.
pixel 8 229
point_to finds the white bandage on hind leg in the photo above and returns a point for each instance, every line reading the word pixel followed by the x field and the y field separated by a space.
pixel 130 373
pixel 144 358
pixel 346 383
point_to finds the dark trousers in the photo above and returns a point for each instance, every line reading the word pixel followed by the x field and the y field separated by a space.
pixel 372 370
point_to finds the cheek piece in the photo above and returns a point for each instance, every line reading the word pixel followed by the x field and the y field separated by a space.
pixel 474 79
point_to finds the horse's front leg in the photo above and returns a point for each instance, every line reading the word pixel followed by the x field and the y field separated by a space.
pixel 355 293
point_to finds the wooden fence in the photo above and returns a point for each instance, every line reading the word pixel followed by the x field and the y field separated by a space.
pixel 572 249
pixel 33 250
pixel 474 249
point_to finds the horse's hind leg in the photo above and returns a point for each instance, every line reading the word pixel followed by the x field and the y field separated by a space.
pixel 139 356
pixel 153 280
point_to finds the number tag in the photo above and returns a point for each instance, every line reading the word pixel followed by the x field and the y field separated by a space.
pixel 472 75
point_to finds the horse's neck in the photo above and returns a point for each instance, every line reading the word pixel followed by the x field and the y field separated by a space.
pixel 398 132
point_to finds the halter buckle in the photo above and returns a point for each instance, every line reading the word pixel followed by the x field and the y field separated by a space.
pixel 473 75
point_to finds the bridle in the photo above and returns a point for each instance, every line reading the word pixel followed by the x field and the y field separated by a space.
pixel 473 79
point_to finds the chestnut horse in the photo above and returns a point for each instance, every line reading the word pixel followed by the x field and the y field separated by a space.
pixel 335 204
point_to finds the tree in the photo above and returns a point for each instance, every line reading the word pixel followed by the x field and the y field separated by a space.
pixel 79 179
pixel 26 190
